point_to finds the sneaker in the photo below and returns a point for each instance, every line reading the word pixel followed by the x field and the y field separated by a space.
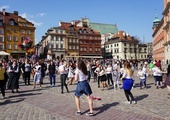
pixel 127 102
pixel 78 113
pixel 134 102
pixel 89 114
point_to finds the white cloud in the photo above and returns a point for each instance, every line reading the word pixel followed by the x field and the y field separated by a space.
pixel 36 23
pixel 24 15
pixel 4 7
pixel 41 14
pixel 29 18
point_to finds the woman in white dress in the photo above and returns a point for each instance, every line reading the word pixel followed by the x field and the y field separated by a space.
pixel 70 74
pixel 37 76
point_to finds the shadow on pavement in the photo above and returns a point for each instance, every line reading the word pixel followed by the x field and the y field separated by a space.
pixel 10 101
pixel 138 98
pixel 104 107
pixel 22 95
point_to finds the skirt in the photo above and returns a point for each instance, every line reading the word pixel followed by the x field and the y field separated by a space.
pixel 103 78
pixel 127 83
pixel 83 87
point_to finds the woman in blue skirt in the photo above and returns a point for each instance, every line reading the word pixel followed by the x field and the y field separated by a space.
pixel 83 87
pixel 128 82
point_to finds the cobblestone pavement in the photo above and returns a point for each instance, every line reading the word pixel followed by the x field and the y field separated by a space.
pixel 48 103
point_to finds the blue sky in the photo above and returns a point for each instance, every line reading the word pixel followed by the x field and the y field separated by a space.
pixel 132 16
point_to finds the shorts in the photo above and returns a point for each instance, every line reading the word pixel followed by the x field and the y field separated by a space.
pixel 83 87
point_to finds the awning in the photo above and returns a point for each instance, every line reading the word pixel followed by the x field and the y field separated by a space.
pixel 4 53
pixel 83 56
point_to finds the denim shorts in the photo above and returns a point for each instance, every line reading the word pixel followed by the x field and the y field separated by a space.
pixel 83 87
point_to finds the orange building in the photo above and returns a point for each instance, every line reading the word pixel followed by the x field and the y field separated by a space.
pixel 161 35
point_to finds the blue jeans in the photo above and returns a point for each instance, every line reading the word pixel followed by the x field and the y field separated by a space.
pixel 52 79
pixel 142 81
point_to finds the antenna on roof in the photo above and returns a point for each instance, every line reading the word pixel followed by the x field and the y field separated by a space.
pixel 143 39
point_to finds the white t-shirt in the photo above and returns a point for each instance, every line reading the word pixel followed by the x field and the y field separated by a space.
pixel 154 71
pixel 81 75
pixel 141 75
pixel 109 70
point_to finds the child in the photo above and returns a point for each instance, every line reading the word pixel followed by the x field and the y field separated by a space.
pixel 141 75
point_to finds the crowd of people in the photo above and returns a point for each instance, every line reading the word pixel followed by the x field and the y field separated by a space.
pixel 118 74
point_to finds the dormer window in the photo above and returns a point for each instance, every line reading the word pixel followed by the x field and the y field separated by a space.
pixel 91 31
pixel 80 31
pixel 11 22
pixel 84 31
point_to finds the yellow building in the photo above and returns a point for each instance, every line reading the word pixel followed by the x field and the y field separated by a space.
pixel 16 29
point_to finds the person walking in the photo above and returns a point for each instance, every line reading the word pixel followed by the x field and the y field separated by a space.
pixel 3 79
pixel 109 74
pixel 52 73
pixel 128 83
pixel 37 76
pixel 13 82
pixel 63 76
pixel 83 87
pixel 26 70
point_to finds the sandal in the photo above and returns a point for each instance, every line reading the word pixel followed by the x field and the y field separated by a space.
pixel 89 114
pixel 78 113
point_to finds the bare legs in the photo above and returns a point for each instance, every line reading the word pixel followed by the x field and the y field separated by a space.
pixel 90 102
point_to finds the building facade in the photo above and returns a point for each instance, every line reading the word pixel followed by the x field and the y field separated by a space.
pixel 13 29
pixel 52 44
pixel 122 46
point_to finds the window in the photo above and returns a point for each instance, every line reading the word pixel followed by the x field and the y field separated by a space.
pixel 56 46
pixel 90 49
pixel 1 31
pixel 8 38
pixel 73 40
pixel 11 22
pixel 81 49
pixel 9 46
pixel 15 47
pixel 22 31
pixel 28 32
pixel 1 39
pixel 8 29
pixel 69 47
pixel 61 38
pixel 73 47
pixel 84 49
pixel 61 46
pixel 70 40
pixel 52 45
pixel 52 38
pixel 1 47
pixel 15 38
pixel 1 23
pixel 15 30
pixel 84 31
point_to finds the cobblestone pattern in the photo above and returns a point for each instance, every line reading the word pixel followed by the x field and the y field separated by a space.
pixel 49 104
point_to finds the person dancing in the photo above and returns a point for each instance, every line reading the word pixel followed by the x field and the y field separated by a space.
pixel 83 87
pixel 128 83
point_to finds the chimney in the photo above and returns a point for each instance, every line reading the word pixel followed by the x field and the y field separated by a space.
pixel 15 12
pixel 3 12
